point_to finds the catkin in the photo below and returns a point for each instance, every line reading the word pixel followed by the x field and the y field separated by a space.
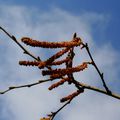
pixel 60 62
pixel 44 44
pixel 56 76
pixel 45 118
pixel 65 71
pixel 51 59
pixel 58 83
pixel 29 63
pixel 71 96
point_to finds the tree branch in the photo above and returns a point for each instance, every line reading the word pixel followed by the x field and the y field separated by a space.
pixel 97 69
pixel 80 86
pixel 53 114
pixel 85 86
pixel 16 41
pixel 26 85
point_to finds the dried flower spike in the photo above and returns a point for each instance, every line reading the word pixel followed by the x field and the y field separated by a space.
pixel 65 71
pixel 51 59
pixel 44 44
pixel 59 62
pixel 45 118
pixel 71 96
pixel 29 63
pixel 56 76
pixel 58 83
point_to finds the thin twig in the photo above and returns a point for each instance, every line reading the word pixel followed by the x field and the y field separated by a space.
pixel 85 86
pixel 23 48
pixel 16 41
pixel 94 64
pixel 26 85
pixel 53 114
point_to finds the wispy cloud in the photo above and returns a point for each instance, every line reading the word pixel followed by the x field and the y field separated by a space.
pixel 30 104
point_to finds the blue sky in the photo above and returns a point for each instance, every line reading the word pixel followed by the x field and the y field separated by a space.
pixel 76 7
pixel 95 21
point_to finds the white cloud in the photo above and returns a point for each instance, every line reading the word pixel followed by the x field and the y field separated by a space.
pixel 29 104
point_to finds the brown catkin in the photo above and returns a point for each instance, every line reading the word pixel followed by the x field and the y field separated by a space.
pixel 60 62
pixel 29 63
pixel 56 76
pixel 58 83
pixel 71 96
pixel 65 71
pixel 45 118
pixel 44 44
pixel 51 59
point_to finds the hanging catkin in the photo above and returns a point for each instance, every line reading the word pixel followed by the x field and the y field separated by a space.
pixel 62 81
pixel 29 63
pixel 65 71
pixel 71 96
pixel 51 59
pixel 44 44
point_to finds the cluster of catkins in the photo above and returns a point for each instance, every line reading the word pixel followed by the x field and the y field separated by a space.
pixel 64 74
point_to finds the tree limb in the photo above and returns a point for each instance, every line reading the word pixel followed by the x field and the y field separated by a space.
pixel 97 69
pixel 16 41
pixel 85 86
pixel 25 85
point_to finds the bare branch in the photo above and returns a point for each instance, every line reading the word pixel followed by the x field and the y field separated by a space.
pixel 99 90
pixel 55 113
pixel 26 85
pixel 16 41
pixel 94 64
